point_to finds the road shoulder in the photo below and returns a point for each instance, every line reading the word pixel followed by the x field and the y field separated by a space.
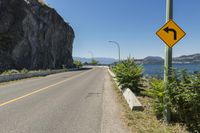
pixel 112 111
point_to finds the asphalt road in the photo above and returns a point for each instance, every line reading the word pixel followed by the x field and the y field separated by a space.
pixel 68 102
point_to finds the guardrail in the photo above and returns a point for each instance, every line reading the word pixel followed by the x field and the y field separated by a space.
pixel 129 96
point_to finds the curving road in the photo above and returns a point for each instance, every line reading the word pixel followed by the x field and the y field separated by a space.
pixel 68 102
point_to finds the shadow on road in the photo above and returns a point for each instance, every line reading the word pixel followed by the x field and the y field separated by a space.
pixel 82 69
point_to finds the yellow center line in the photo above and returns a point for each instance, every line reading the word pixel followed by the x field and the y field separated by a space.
pixel 42 89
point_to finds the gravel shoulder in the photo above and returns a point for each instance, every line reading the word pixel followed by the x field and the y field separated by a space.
pixel 112 111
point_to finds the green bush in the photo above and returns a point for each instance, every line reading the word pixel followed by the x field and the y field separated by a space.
pixel 156 91
pixel 78 64
pixel 24 71
pixel 129 75
pixel 184 98
pixel 94 62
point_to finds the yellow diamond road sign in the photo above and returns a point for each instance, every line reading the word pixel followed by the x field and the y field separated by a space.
pixel 170 33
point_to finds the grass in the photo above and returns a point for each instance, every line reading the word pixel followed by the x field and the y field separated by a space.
pixel 24 71
pixel 145 121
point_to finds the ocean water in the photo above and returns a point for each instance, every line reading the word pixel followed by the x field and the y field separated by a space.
pixel 158 69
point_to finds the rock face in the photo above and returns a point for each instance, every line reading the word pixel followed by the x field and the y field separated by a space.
pixel 33 36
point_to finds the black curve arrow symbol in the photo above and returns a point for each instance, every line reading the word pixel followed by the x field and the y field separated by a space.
pixel 167 29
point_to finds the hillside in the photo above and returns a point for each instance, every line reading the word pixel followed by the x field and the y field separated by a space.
pixel 194 58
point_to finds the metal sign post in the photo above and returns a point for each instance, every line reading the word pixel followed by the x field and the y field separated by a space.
pixel 168 65
pixel 170 33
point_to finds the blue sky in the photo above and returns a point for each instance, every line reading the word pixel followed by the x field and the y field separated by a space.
pixel 132 23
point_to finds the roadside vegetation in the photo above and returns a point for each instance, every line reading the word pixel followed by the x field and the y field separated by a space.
pixel 78 64
pixel 94 62
pixel 184 100
pixel 129 75
pixel 25 71
pixel 145 121
pixel 14 71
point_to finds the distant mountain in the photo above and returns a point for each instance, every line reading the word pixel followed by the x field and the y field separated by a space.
pixel 194 58
pixel 82 59
pixel 150 60
pixel 153 60
pixel 184 59
pixel 101 60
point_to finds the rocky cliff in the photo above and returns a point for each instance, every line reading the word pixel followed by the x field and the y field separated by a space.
pixel 33 36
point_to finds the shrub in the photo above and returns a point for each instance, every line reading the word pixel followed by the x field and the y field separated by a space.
pixel 129 75
pixel 184 98
pixel 156 91
pixel 24 71
pixel 78 64
pixel 94 62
